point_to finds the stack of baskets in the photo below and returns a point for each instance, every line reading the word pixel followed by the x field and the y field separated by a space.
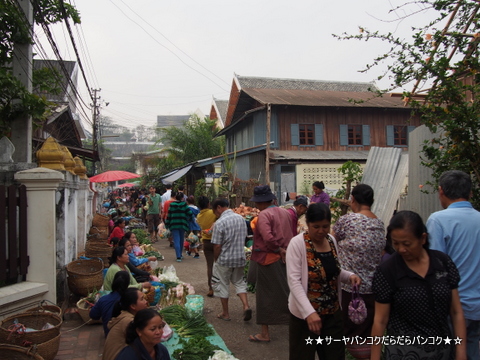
pixel 44 341
pixel 97 244
pixel 85 276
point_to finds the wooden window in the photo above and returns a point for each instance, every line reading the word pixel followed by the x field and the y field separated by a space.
pixel 397 135
pixel 400 135
pixel 306 134
pixel 355 135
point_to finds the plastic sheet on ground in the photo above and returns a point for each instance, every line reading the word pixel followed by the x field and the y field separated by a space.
pixel 173 343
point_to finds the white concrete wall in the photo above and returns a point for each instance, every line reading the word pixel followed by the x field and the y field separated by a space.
pixel 40 282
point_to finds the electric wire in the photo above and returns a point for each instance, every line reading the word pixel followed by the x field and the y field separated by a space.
pixel 166 48
pixel 176 47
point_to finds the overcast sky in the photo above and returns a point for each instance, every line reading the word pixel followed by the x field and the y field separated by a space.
pixel 156 57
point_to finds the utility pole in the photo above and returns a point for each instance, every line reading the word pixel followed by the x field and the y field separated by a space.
pixel 22 69
pixel 267 149
pixel 95 111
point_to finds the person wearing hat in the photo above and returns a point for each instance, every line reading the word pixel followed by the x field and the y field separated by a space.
pixel 271 237
pixel 299 208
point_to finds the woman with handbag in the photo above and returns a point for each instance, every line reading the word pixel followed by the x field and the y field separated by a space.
pixel 416 290
pixel 314 276
pixel 361 240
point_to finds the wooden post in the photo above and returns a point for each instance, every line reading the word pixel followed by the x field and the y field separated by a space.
pixel 267 149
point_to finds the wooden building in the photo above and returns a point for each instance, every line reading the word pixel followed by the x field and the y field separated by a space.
pixel 314 127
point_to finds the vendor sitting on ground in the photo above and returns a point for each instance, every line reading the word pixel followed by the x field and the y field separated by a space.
pixel 104 307
pixel 126 242
pixel 118 262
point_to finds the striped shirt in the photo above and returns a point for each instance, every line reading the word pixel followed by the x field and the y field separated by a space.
pixel 178 216
pixel 230 231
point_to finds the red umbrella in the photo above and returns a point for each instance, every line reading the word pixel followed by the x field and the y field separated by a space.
pixel 127 185
pixel 114 175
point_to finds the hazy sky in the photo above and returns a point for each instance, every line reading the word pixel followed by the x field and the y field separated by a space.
pixel 156 57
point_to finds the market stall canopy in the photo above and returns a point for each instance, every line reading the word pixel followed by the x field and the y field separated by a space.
pixel 176 174
pixel 114 175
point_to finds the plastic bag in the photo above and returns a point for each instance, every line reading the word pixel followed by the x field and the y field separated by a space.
pixel 169 274
pixel 153 264
pixel 167 333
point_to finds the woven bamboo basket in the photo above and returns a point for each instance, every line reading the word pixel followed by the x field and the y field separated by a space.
pixel 101 232
pixel 95 249
pixel 12 352
pixel 83 310
pixel 100 220
pixel 44 307
pixel 35 320
pixel 85 276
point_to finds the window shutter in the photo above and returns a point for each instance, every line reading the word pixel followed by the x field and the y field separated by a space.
pixel 366 135
pixel 343 135
pixel 294 134
pixel 319 134
pixel 390 136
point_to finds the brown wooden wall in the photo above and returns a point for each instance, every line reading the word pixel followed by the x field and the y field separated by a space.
pixel 331 118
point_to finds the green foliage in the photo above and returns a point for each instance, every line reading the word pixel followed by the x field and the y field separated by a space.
pixel 352 174
pixel 445 61
pixel 142 236
pixel 194 141
pixel 202 190
pixel 15 100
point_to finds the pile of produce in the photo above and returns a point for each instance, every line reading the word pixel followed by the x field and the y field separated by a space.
pixel 196 348
pixel 246 211
pixel 186 326
pixel 175 295
pixel 149 250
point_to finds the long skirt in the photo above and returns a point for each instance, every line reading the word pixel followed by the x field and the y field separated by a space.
pixel 272 294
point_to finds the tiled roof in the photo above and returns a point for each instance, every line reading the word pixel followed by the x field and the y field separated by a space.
pixel 222 106
pixel 298 84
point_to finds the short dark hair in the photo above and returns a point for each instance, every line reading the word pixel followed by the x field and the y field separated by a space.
pixel 181 187
pixel 203 202
pixel 456 184
pixel 410 220
pixel 319 185
pixel 318 212
pixel 168 186
pixel 179 196
pixel 120 282
pixel 116 252
pixel 222 202
pixel 140 322
pixel 191 199
pixel 363 194
pixel 128 298
pixel 173 194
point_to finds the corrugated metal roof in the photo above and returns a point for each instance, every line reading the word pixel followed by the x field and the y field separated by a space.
pixel 318 155
pixel 322 98
pixel 247 82
pixel 171 120
pixel 222 107
pixel 386 171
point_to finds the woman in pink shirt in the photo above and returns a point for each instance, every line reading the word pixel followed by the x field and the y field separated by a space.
pixel 319 195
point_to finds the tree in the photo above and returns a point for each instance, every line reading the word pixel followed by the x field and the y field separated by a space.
pixel 441 57
pixel 15 100
pixel 194 141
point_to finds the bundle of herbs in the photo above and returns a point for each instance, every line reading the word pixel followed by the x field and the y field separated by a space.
pixel 176 317
pixel 196 348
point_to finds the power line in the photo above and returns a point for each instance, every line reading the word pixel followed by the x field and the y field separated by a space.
pixel 159 43
pixel 67 23
pixel 176 47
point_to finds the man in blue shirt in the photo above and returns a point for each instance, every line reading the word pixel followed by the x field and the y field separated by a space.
pixel 456 232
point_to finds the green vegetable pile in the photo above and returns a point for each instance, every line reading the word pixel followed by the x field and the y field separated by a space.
pixel 142 236
pixel 152 253
pixel 196 348
pixel 185 326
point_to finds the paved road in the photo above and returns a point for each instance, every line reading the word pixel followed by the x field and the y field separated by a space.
pixel 235 332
